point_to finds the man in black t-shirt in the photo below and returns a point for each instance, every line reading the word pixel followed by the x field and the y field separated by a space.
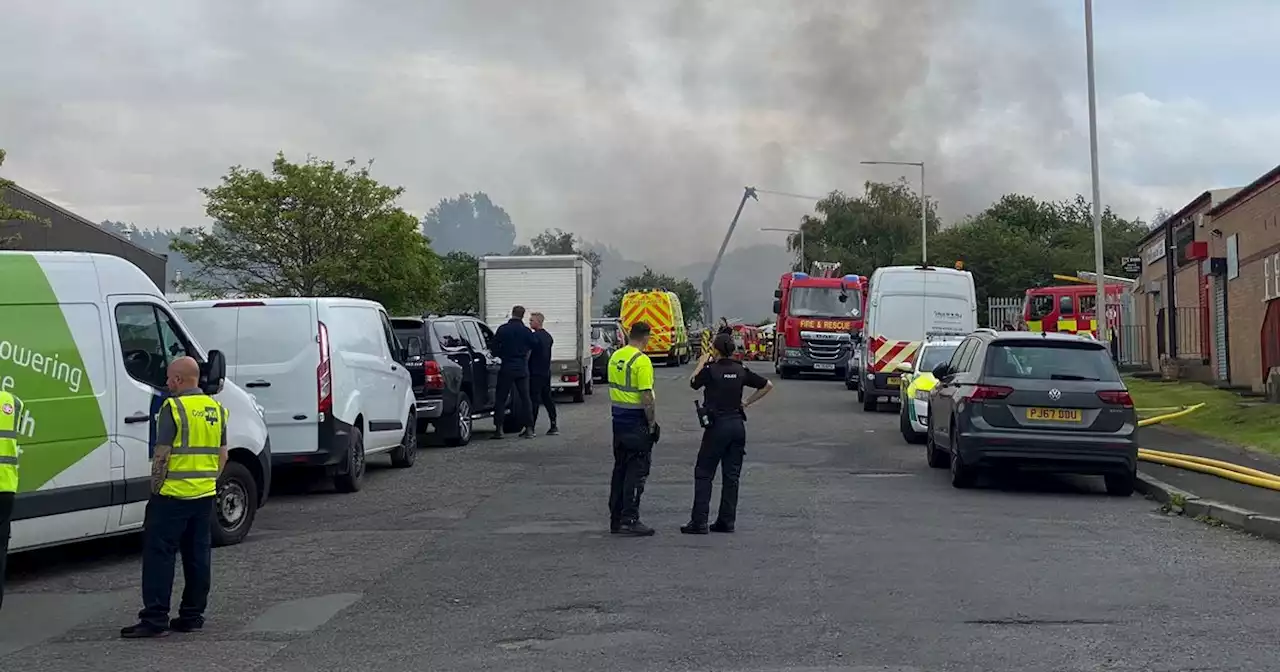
pixel 540 374
pixel 724 441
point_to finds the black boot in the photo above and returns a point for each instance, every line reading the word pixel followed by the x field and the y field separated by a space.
pixel 554 430
pixel 719 526
pixel 694 528
pixel 635 529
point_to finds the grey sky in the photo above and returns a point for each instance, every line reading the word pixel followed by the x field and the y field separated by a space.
pixel 635 124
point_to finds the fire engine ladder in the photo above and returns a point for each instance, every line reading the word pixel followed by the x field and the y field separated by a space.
pixel 826 269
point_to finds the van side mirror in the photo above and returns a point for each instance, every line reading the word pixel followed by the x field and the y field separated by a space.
pixel 777 306
pixel 942 370
pixel 213 372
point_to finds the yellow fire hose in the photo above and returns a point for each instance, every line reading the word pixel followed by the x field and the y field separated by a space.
pixel 1204 465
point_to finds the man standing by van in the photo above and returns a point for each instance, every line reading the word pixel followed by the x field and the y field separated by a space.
pixel 540 374
pixel 190 454
pixel 512 343
pixel 10 417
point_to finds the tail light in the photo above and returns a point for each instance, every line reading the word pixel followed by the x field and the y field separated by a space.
pixel 986 392
pixel 570 378
pixel 1117 397
pixel 434 378
pixel 596 350
pixel 324 376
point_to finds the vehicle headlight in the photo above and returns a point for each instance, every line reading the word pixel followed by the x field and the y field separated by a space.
pixel 922 395
pixel 793 352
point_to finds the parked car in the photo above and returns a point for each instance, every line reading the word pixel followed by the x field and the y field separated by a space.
pixel 606 338
pixel 329 372
pixel 913 412
pixel 1046 402
pixel 455 374
pixel 85 344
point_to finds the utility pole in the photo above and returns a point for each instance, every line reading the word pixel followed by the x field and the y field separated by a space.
pixel 709 311
pixel 1104 332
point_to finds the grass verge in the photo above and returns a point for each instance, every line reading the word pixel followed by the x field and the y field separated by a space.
pixel 1225 415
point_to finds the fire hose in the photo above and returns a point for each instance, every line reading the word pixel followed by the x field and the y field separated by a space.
pixel 1204 465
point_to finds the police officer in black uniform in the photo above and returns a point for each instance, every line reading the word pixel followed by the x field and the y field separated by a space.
pixel 724 440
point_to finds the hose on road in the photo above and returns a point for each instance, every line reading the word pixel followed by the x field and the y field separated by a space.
pixel 1204 465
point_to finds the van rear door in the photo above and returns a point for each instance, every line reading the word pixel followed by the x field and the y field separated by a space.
pixel 276 360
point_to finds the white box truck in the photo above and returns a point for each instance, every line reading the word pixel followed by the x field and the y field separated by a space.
pixel 559 287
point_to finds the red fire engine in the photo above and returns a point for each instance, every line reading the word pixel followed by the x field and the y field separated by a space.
pixel 1069 308
pixel 816 319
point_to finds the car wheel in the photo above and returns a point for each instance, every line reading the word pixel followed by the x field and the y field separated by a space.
pixel 936 458
pixel 591 387
pixel 236 505
pixel 460 427
pixel 406 453
pixel 351 476
pixel 904 424
pixel 848 385
pixel 1120 485
pixel 860 394
pixel 962 475
pixel 787 373
pixel 869 402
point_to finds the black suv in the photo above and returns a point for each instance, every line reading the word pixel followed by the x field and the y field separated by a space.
pixel 1045 402
pixel 454 372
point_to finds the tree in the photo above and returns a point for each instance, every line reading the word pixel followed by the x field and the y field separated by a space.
pixel 879 228
pixel 12 214
pixel 559 241
pixel 470 223
pixel 309 229
pixel 690 297
pixel 459 284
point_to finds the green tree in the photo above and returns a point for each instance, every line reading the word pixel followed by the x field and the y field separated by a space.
pixel 470 223
pixel 559 241
pixel 310 229
pixel 879 228
pixel 690 297
pixel 459 284
pixel 12 214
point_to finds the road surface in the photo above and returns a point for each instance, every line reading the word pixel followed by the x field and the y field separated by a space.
pixel 850 554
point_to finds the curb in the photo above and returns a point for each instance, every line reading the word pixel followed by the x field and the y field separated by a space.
pixel 1244 520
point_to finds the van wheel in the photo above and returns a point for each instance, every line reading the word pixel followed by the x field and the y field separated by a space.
pixel 591 387
pixel 352 474
pixel 236 505
pixel 869 402
pixel 406 453
pixel 579 392
pixel 456 429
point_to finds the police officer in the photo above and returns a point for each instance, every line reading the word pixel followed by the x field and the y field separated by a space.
pixel 724 440
pixel 635 430
pixel 10 423
pixel 190 454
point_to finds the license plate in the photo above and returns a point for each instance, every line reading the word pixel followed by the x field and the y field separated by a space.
pixel 1054 414
pixel 893 381
pixel 824 367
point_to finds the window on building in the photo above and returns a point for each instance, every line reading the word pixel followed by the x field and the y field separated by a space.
pixel 1184 234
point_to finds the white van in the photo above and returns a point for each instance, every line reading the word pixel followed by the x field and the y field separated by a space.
pixel 85 343
pixel 329 372
pixel 905 304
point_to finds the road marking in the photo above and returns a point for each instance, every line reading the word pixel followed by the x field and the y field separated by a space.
pixel 302 615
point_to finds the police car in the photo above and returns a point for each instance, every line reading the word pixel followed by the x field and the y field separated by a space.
pixel 918 381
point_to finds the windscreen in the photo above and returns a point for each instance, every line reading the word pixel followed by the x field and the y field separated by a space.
pixel 909 317
pixel 1048 360
pixel 934 355
pixel 824 302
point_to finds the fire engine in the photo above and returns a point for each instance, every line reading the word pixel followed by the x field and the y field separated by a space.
pixel 1069 308
pixel 817 317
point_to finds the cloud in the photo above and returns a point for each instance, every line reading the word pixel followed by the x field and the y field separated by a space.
pixel 636 124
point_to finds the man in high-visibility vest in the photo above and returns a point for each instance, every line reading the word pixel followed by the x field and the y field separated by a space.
pixel 190 454
pixel 635 430
pixel 10 423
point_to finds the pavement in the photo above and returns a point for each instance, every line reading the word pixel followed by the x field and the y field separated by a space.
pixel 1208 486
pixel 851 555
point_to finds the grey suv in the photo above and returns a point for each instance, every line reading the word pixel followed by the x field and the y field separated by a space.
pixel 1044 402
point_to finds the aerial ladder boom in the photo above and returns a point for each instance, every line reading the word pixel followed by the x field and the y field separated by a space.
pixel 709 312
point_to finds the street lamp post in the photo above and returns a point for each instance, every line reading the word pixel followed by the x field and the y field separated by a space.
pixel 799 232
pixel 924 205
pixel 1104 332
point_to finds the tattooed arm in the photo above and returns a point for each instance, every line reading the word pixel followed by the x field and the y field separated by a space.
pixel 166 435
pixel 159 467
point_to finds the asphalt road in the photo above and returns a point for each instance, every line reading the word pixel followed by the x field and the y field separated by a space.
pixel 850 554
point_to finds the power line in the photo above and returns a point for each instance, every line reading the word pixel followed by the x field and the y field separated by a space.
pixel 789 195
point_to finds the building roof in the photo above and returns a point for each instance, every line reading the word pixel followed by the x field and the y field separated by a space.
pixel 1241 195
pixel 80 220
pixel 1212 197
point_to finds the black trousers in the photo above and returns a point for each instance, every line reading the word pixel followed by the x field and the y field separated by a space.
pixel 724 444
pixel 6 516
pixel 176 526
pixel 540 390
pixel 632 457
pixel 516 388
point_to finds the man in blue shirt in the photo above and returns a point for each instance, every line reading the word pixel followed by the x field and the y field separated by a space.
pixel 512 343
pixel 540 374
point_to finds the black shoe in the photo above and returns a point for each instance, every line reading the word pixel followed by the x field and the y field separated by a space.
pixel 553 431
pixel 721 527
pixel 185 625
pixel 496 436
pixel 143 631
pixel 636 529
pixel 614 527
pixel 528 434
pixel 694 528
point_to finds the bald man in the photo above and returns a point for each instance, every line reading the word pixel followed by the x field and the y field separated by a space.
pixel 190 454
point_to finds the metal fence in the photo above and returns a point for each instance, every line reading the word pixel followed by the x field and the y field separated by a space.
pixel 1004 310
pixel 1191 339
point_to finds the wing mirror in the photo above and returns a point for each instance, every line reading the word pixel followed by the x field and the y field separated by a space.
pixel 941 371
pixel 213 372
pixel 777 306
pixel 777 293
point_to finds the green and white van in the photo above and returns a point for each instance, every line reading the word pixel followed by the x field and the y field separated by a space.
pixel 85 341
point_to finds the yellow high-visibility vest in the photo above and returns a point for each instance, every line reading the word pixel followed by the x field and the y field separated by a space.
pixel 10 416
pixel 630 373
pixel 193 462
